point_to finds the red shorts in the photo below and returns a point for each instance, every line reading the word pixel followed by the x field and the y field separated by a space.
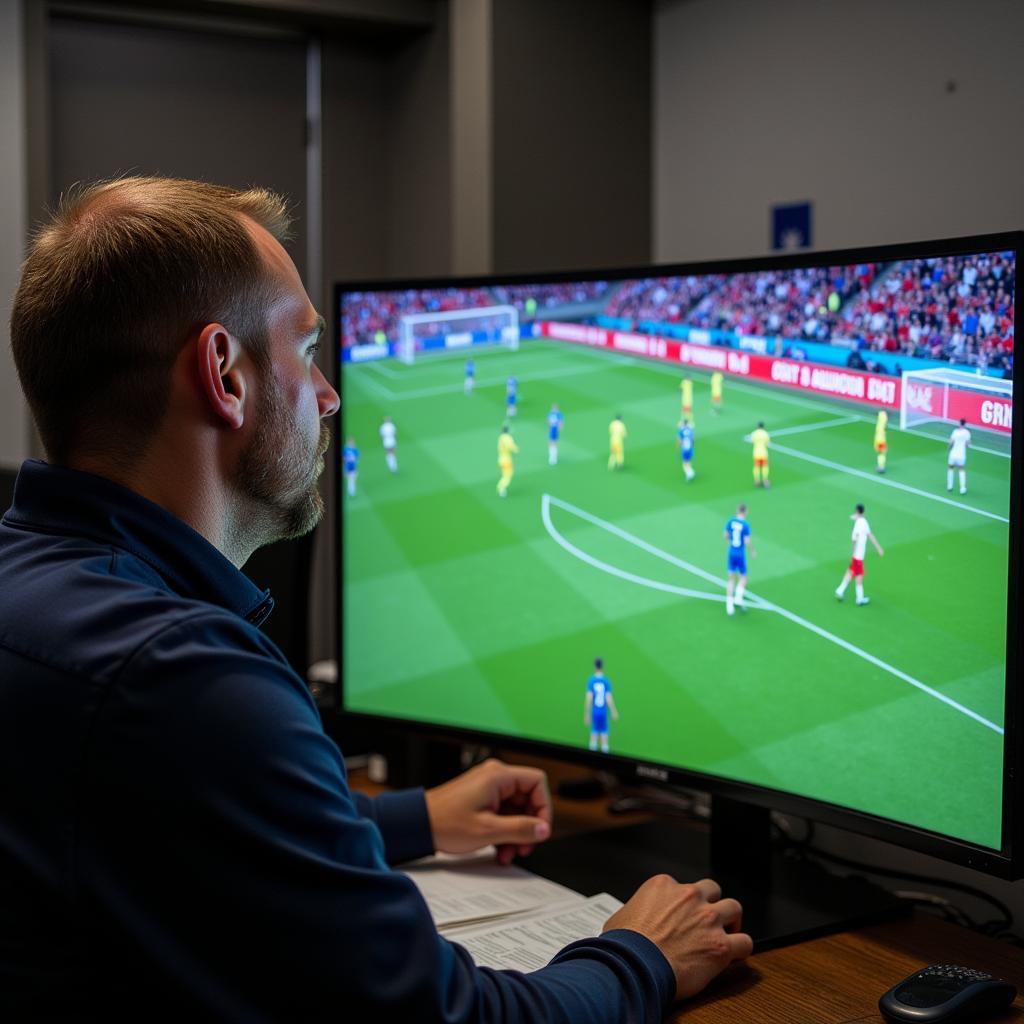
pixel 857 566
pixel 880 446
pixel 760 462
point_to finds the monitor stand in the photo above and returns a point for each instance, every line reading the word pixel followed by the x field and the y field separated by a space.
pixel 784 900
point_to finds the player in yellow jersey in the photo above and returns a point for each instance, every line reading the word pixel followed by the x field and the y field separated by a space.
pixel 616 436
pixel 716 392
pixel 881 447
pixel 760 440
pixel 506 449
pixel 686 386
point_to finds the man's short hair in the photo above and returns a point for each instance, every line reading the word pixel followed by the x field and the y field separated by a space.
pixel 859 508
pixel 114 284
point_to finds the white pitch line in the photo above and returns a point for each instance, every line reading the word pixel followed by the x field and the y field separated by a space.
pixel 373 385
pixel 547 500
pixel 804 428
pixel 445 389
pixel 885 482
pixel 545 511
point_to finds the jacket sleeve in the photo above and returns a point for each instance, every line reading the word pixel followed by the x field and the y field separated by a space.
pixel 219 839
pixel 401 818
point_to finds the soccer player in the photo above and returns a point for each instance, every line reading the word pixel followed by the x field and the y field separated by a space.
pixel 716 391
pixel 389 437
pixel 506 449
pixel 880 445
pixel 511 396
pixel 350 459
pixel 617 437
pixel 554 429
pixel 860 537
pixel 686 386
pixel 599 701
pixel 686 448
pixel 470 379
pixel 737 533
pixel 959 442
pixel 761 440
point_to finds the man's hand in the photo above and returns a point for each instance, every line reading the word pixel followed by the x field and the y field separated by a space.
pixel 497 803
pixel 696 929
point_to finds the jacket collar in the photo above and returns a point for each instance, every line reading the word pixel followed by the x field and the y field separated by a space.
pixel 67 502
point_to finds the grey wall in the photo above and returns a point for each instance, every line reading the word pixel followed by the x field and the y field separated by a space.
pixel 846 105
pixel 572 135
pixel 14 429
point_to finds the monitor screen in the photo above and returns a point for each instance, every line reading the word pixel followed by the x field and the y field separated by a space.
pixel 749 523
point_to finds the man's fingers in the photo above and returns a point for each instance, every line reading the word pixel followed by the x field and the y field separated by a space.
pixel 518 829
pixel 741 945
pixel 730 913
pixel 709 889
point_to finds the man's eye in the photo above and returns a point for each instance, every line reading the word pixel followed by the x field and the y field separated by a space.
pixel 313 349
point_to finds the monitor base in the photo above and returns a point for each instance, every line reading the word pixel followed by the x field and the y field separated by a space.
pixel 784 901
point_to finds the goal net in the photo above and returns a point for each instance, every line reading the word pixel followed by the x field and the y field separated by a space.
pixel 424 333
pixel 937 399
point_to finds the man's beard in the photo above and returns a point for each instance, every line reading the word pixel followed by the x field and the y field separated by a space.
pixel 278 474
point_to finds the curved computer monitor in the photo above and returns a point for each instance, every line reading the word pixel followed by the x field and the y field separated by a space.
pixel 570 458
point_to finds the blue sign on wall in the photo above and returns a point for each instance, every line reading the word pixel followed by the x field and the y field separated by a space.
pixel 791 226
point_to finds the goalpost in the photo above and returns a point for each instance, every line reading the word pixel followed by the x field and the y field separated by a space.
pixel 422 333
pixel 946 396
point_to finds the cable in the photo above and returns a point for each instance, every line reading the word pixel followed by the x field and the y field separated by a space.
pixel 942 883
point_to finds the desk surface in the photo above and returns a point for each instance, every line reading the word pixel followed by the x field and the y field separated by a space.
pixel 836 979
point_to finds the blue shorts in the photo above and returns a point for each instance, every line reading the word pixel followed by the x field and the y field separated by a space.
pixel 510 399
pixel 738 562
pixel 599 720
pixel 350 467
pixel 553 434
pixel 687 454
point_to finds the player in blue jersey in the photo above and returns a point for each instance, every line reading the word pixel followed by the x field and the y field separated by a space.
pixel 737 533
pixel 511 396
pixel 599 702
pixel 554 430
pixel 470 379
pixel 685 435
pixel 350 459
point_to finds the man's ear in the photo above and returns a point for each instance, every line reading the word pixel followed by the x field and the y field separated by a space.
pixel 221 377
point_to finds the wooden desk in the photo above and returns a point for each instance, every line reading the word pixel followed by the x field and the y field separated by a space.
pixel 836 979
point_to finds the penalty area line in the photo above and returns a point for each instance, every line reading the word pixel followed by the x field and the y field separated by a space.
pixel 547 500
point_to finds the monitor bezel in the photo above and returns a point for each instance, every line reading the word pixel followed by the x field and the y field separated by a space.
pixel 1008 861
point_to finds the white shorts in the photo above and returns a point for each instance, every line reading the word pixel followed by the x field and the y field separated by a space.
pixel 958 460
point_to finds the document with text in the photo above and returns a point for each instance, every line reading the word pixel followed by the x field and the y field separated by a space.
pixel 527 942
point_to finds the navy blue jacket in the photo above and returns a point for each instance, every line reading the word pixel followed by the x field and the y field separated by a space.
pixel 177 836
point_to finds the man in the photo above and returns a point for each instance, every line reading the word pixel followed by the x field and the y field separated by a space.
pixel 554 431
pixel 716 391
pixel 597 703
pixel 881 447
pixel 617 443
pixel 737 533
pixel 686 387
pixel 685 435
pixel 860 537
pixel 511 396
pixel 389 438
pixel 178 841
pixel 350 462
pixel 506 449
pixel 470 378
pixel 760 440
pixel 959 442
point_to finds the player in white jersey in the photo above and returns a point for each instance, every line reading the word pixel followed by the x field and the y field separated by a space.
pixel 389 436
pixel 861 535
pixel 959 442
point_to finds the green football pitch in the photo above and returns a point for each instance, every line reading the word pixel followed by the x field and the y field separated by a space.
pixel 465 609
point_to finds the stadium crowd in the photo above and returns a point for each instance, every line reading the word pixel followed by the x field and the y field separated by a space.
pixel 530 299
pixel 958 308
pixel 372 317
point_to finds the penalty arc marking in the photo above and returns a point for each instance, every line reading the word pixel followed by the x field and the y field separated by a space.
pixel 547 500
